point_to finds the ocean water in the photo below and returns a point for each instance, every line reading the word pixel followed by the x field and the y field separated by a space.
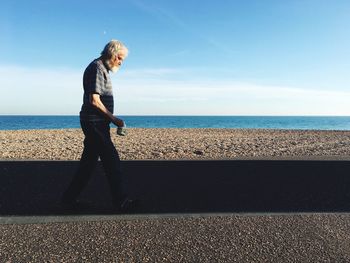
pixel 8 122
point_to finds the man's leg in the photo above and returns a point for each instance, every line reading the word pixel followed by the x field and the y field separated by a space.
pixel 86 166
pixel 111 164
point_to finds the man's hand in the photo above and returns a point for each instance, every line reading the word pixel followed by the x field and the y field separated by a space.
pixel 118 122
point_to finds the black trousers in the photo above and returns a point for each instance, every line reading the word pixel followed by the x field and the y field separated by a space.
pixel 97 143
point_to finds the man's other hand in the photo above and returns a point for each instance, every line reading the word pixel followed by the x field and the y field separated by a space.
pixel 119 122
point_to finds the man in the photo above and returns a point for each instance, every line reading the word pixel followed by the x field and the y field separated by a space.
pixel 95 116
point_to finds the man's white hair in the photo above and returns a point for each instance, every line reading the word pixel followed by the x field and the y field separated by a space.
pixel 114 47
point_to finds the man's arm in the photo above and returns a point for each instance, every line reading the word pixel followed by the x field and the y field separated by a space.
pixel 97 103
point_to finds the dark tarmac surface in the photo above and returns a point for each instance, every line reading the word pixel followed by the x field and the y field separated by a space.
pixel 279 238
pixel 192 211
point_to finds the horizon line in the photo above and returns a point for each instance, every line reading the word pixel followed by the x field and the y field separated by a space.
pixel 171 115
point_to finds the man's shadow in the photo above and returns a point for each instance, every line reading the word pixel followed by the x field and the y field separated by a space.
pixel 234 186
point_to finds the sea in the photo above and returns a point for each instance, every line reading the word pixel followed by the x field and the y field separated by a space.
pixel 25 122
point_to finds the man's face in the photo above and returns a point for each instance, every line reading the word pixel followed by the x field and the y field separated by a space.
pixel 117 61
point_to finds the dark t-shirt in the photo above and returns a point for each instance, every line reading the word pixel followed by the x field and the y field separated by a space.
pixel 96 80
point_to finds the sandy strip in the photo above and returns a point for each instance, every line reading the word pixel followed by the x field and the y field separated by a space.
pixel 155 144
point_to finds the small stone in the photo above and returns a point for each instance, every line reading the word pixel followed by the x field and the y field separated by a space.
pixel 198 152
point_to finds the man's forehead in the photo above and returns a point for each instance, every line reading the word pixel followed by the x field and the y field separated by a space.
pixel 121 54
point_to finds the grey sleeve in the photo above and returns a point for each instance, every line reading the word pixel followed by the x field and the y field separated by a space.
pixel 95 80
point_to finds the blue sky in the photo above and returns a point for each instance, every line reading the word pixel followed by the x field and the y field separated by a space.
pixel 186 57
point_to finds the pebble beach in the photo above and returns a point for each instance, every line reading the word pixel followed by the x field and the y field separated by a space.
pixel 175 144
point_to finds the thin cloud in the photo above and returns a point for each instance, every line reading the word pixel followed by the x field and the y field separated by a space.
pixel 150 72
pixel 59 91
pixel 175 20
pixel 231 98
pixel 161 13
pixel 40 90
pixel 180 53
